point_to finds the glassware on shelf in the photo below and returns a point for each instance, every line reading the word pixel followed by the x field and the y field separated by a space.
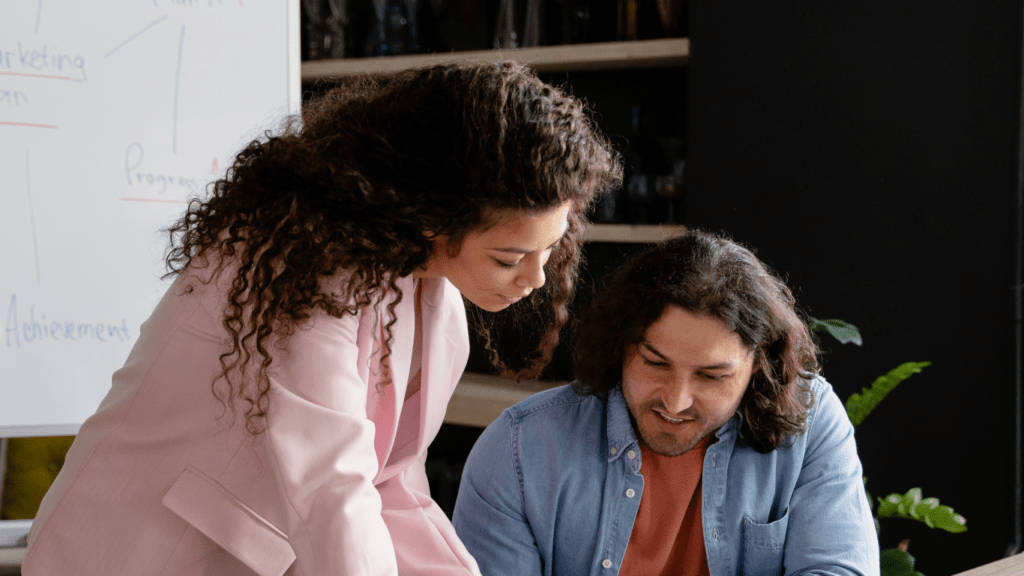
pixel 390 30
pixel 639 192
pixel 669 13
pixel 505 30
pixel 669 187
pixel 312 29
pixel 606 210
pixel 533 25
pixel 575 21
pixel 628 13
pixel 335 23
pixel 413 10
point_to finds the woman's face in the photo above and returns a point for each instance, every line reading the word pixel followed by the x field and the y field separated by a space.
pixel 497 267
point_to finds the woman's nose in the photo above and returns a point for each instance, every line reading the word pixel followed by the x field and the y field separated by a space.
pixel 532 275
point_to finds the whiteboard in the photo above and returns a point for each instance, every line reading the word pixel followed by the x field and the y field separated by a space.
pixel 112 114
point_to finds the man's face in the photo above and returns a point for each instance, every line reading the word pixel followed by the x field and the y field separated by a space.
pixel 684 380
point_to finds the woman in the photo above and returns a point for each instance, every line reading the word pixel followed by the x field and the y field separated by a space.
pixel 275 414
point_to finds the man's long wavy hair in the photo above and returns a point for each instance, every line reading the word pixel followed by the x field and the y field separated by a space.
pixel 708 275
pixel 378 167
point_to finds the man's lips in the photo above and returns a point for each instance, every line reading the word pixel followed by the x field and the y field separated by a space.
pixel 672 420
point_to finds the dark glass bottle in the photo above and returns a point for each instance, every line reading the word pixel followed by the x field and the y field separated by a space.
pixel 643 162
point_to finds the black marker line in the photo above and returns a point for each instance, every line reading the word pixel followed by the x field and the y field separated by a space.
pixel 177 79
pixel 39 14
pixel 134 36
pixel 32 217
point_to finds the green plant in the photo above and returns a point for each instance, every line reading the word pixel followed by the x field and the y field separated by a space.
pixel 911 505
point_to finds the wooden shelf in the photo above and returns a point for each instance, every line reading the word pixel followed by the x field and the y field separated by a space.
pixel 632 233
pixel 596 56
pixel 480 398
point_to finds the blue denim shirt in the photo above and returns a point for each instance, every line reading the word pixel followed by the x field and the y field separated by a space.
pixel 553 487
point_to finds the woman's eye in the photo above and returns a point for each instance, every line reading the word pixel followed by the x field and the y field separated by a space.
pixel 507 264
pixel 714 377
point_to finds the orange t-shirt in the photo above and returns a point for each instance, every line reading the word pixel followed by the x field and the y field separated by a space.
pixel 668 538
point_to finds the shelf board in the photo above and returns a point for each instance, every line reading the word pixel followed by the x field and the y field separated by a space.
pixel 632 233
pixel 596 56
pixel 480 398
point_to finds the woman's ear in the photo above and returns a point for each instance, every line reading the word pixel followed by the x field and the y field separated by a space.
pixel 434 266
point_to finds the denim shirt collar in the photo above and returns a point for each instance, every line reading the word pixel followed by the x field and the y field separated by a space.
pixel 622 439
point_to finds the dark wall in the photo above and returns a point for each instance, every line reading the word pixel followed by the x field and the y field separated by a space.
pixel 869 152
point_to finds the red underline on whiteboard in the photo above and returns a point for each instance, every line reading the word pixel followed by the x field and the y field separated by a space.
pixel 48 76
pixel 30 125
pixel 154 200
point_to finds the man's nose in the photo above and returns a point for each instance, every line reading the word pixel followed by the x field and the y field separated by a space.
pixel 678 397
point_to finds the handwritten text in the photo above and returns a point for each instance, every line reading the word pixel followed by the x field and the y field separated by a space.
pixel 32 328
pixel 157 181
pixel 43 61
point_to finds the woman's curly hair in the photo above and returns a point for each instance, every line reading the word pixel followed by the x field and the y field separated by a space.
pixel 709 275
pixel 378 167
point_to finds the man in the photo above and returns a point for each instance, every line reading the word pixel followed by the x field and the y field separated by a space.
pixel 697 438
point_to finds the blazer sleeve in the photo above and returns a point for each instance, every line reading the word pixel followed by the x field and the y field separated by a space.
pixel 425 541
pixel 322 452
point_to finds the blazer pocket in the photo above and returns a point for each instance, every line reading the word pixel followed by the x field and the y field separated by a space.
pixel 763 547
pixel 213 510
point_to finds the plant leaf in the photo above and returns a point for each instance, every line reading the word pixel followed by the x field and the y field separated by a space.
pixel 909 501
pixel 921 510
pixel 858 406
pixel 928 510
pixel 842 331
pixel 944 517
pixel 896 562
pixel 888 506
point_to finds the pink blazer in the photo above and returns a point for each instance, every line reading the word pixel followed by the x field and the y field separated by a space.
pixel 162 481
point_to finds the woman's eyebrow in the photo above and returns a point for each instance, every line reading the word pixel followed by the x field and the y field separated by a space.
pixel 522 251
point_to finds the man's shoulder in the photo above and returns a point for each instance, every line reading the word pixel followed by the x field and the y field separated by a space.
pixel 560 406
pixel 826 403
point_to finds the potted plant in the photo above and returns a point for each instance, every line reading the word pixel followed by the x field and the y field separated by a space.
pixel 911 505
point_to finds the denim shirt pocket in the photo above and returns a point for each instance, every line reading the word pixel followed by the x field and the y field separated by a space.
pixel 763 547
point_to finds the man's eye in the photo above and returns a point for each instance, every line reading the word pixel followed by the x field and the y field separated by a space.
pixel 714 377
pixel 654 363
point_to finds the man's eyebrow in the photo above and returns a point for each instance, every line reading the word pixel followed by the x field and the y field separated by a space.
pixel 650 348
pixel 718 366
pixel 725 365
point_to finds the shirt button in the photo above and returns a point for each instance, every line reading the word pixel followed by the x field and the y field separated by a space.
pixel 714 533
pixel 630 493
pixel 714 459
pixel 631 454
pixel 606 563
pixel 614 450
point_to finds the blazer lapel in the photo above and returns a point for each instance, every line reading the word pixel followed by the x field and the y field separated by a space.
pixel 383 403
pixel 445 352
